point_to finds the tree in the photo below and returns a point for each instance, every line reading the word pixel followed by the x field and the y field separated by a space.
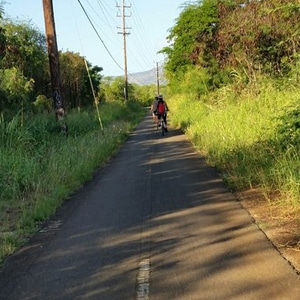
pixel 258 35
pixel 225 36
pixel 144 93
pixel 113 89
pixel 25 49
pixel 2 34
pixel 76 87
pixel 23 65
pixel 192 39
pixel 15 90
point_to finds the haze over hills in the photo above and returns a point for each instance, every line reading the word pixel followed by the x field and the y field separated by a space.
pixel 147 77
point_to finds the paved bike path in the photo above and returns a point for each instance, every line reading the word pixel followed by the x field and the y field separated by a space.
pixel 156 223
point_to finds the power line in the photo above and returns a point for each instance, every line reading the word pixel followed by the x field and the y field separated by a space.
pixel 103 13
pixel 92 22
pixel 99 35
pixel 142 34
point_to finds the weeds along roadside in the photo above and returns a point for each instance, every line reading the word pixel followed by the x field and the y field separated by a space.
pixel 252 137
pixel 39 167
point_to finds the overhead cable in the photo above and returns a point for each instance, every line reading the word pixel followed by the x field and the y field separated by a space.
pixel 99 36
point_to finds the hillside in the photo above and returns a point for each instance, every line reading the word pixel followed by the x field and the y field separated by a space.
pixel 147 77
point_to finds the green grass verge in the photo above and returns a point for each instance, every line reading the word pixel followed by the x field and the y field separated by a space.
pixel 40 167
pixel 252 137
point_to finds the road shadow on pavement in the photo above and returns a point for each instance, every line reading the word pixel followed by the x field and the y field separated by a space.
pixel 158 200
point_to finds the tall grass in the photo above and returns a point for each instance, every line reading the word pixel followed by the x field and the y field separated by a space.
pixel 239 133
pixel 40 168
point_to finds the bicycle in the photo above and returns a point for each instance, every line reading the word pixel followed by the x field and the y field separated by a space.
pixel 162 125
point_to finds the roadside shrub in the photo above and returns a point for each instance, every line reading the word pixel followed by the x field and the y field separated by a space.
pixel 288 129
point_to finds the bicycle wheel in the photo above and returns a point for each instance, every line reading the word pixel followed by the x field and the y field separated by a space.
pixel 162 127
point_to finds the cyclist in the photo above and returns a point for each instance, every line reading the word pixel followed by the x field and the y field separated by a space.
pixel 162 109
pixel 154 110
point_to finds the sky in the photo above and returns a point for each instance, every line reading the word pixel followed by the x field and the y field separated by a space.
pixel 147 22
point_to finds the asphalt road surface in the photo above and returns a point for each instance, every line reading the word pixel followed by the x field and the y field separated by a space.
pixel 156 223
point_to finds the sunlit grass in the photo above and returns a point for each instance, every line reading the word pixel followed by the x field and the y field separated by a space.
pixel 238 135
pixel 40 167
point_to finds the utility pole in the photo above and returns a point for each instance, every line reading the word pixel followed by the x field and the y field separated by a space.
pixel 54 63
pixel 124 33
pixel 157 79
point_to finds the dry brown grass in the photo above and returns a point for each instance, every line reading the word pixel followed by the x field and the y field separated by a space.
pixel 278 220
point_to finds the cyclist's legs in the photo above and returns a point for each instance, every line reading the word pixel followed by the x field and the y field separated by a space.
pixel 165 118
pixel 159 116
pixel 154 117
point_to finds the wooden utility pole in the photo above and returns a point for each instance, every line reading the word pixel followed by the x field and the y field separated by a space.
pixel 124 33
pixel 54 63
pixel 157 79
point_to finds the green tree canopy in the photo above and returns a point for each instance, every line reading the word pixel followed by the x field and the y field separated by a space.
pixel 25 49
pixel 225 36
pixel 76 87
pixel 258 35
pixel 191 37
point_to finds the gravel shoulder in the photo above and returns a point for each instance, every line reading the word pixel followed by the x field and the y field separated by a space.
pixel 280 223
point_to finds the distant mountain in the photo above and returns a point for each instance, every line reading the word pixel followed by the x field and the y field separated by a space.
pixel 147 77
